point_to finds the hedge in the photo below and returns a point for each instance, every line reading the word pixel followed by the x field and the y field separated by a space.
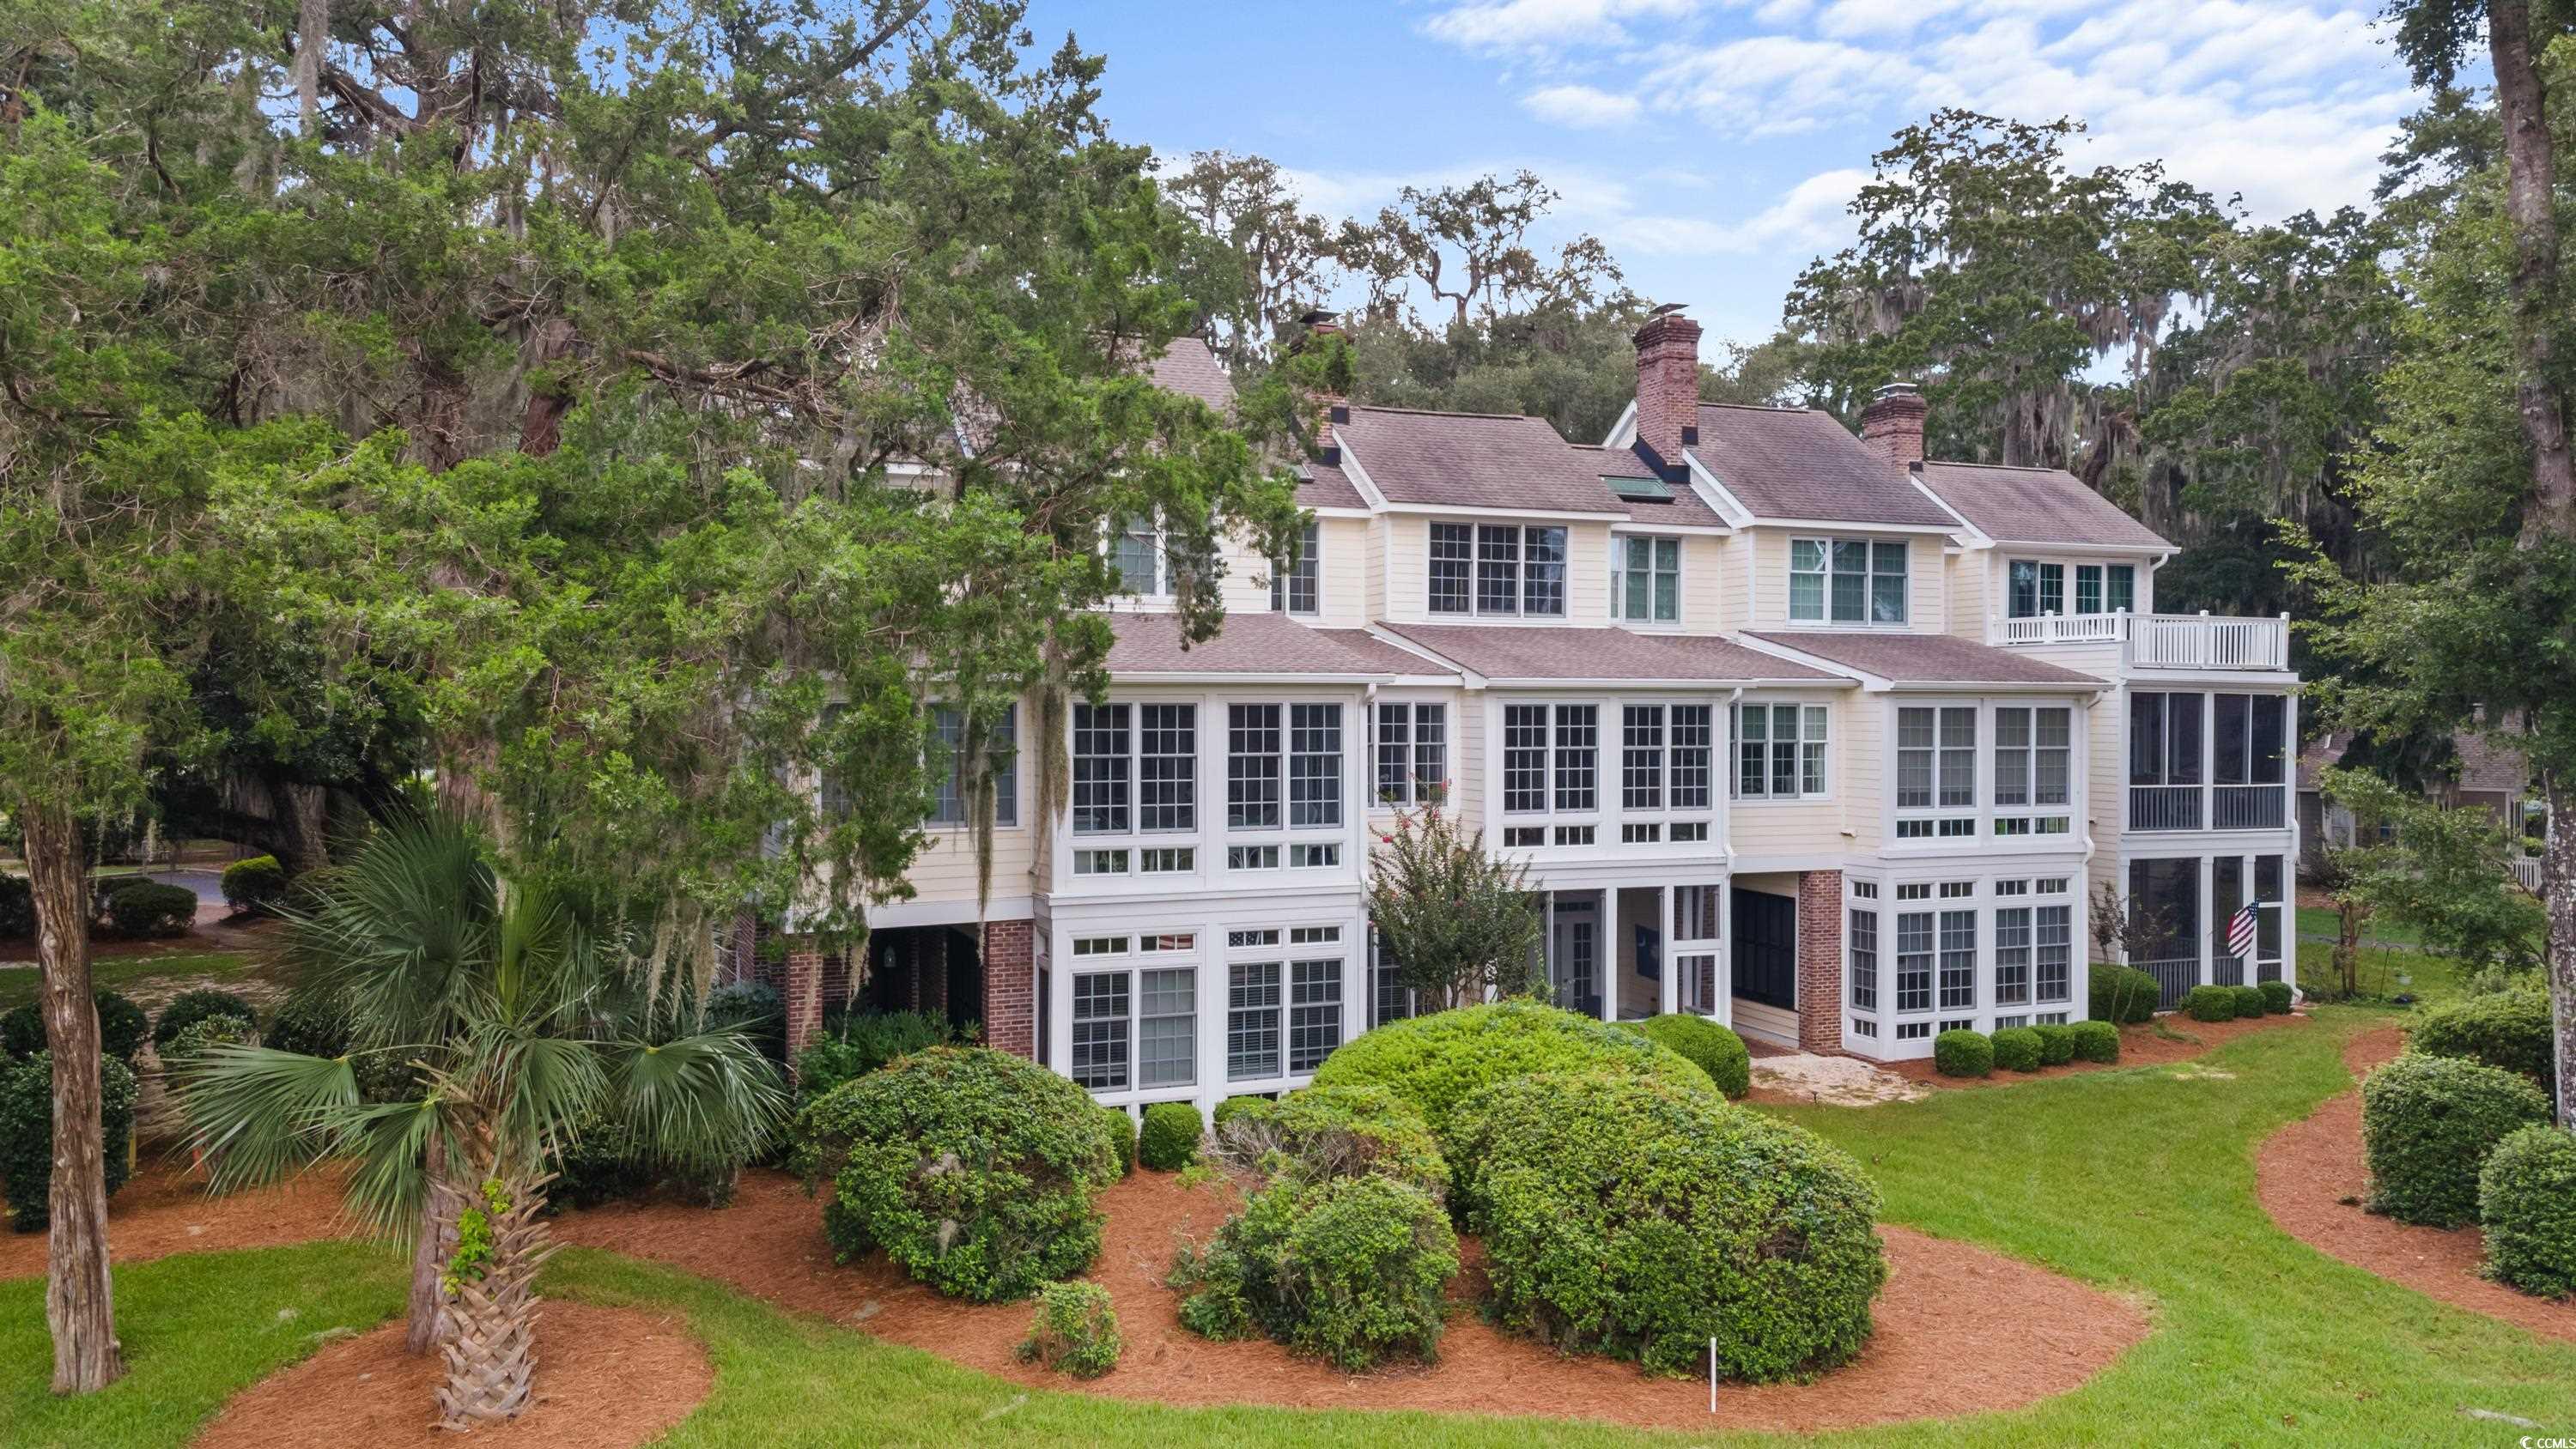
pixel 2278 998
pixel 2096 1041
pixel 1963 1053
pixel 121 1027
pixel 1639 1218
pixel 255 885
pixel 1436 1062
pixel 189 1007
pixel 27 1134
pixel 2508 1030
pixel 1354 1270
pixel 2210 1003
pixel 854 1046
pixel 2057 1043
pixel 2122 995
pixel 1122 1138
pixel 1171 1139
pixel 2527 1205
pixel 2017 1049
pixel 974 1170
pixel 1706 1045
pixel 2427 1125
pixel 1074 1331
pixel 1226 1110
pixel 2250 1005
pixel 17 909
pixel 148 908
pixel 1318 1133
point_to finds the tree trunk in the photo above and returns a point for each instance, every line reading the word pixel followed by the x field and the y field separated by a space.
pixel 2530 176
pixel 78 1307
pixel 303 819
pixel 2558 888
pixel 312 33
pixel 431 1243
pixel 490 1318
pixel 2347 954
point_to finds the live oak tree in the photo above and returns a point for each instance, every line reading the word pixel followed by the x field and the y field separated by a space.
pixel 1283 254
pixel 1458 921
pixel 1468 246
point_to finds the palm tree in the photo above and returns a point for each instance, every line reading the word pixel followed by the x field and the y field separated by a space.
pixel 490 1018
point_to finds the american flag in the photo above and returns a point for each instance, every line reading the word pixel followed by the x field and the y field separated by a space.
pixel 2240 931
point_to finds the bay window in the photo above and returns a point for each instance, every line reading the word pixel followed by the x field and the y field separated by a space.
pixel 1278 753
pixel 1314 765
pixel 1958 960
pixel 1412 752
pixel 1646 580
pixel 1936 772
pixel 1780 751
pixel 1167 767
pixel 1502 569
pixel 1914 961
pixel 1252 767
pixel 1551 764
pixel 1847 581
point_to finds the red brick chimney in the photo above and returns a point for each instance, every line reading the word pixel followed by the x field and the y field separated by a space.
pixel 1330 406
pixel 1668 385
pixel 1893 424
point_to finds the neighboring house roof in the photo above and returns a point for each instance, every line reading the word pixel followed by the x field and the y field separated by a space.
pixel 1250 643
pixel 2036 505
pixel 1474 460
pixel 1798 463
pixel 1189 368
pixel 1325 485
pixel 2486 766
pixel 1541 652
pixel 1924 658
pixel 2323 753
pixel 1680 505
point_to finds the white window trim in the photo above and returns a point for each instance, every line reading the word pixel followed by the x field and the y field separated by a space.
pixel 1790 571
pixel 1449 739
pixel 1681 583
pixel 2138 574
pixel 1281 594
pixel 1735 753
pixel 1476 609
pixel 2030 809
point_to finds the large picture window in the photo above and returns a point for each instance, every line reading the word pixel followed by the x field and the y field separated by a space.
pixel 1497 568
pixel 1001 754
pixel 1847 581
pixel 1780 751
pixel 1646 580
pixel 1412 752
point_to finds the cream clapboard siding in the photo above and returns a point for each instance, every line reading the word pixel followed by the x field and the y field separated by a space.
pixel 1863 758
pixel 1971 573
pixel 1373 567
pixel 1343 575
pixel 1408 565
pixel 1587 575
pixel 1469 752
pixel 1246 585
pixel 2107 773
pixel 944 872
pixel 1926 587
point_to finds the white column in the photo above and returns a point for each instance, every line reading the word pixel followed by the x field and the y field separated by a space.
pixel 1605 954
pixel 1668 988
pixel 1722 990
pixel 2208 971
pixel 1060 1003
pixel 1547 940
pixel 1211 1018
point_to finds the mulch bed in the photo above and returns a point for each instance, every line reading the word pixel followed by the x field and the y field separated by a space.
pixel 607 1378
pixel 1936 1314
pixel 165 1209
pixel 2140 1046
pixel 2312 1180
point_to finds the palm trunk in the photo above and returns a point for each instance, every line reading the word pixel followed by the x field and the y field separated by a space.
pixel 490 1319
pixel 431 1243
pixel 79 1308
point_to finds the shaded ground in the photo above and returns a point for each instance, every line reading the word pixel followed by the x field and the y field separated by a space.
pixel 2311 1178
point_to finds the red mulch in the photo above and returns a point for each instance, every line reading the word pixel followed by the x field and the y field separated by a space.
pixel 1936 1315
pixel 2139 1047
pixel 2311 1178
pixel 165 1209
pixel 607 1378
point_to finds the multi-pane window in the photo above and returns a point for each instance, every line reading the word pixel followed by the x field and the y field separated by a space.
pixel 1551 759
pixel 1864 960
pixel 1646 580
pixel 1412 752
pixel 2033 587
pixel 1100 768
pixel 1524 759
pixel 1100 1030
pixel 1578 745
pixel 1641 757
pixel 1252 766
pixel 1314 1013
pixel 1001 742
pixel 1167 1027
pixel 1914 961
pixel 1167 766
pixel 1958 959
pixel 2034 769
pixel 1136 556
pixel 1936 768
pixel 2056 952
pixel 2012 956
pixel 1315 764
pixel 1252 1020
pixel 1295 587
pixel 1498 570
pixel 1779 751
pixel 1453 556
pixel 1516 569
pixel 1694 756
pixel 1389 998
pixel 1847 581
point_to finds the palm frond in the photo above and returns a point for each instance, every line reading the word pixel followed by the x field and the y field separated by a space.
pixel 259 1115
pixel 405 925
pixel 705 1100
pixel 544 1087
pixel 390 1141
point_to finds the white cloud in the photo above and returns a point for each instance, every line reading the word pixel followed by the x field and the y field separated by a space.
pixel 1583 107
pixel 1518 24
pixel 1809 219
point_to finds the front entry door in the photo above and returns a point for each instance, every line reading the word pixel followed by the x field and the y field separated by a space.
pixel 1766 948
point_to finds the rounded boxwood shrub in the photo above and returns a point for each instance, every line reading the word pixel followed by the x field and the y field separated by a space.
pixel 974 1170
pixel 1351 1269
pixel 312 1023
pixel 255 885
pixel 1317 1133
pixel 2527 1206
pixel 1640 1218
pixel 2121 995
pixel 1706 1045
pixel 2278 998
pixel 2210 1003
pixel 190 1007
pixel 1963 1053
pixel 2250 1004
pixel 27 1134
pixel 1171 1138
pixel 1436 1062
pixel 2096 1041
pixel 2509 1030
pixel 2057 1043
pixel 122 1027
pixel 2018 1049
pixel 1122 1138
pixel 1226 1110
pixel 1074 1331
pixel 147 908
pixel 2427 1125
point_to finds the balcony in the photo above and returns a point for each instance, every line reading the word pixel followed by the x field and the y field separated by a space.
pixel 2223 807
pixel 2160 641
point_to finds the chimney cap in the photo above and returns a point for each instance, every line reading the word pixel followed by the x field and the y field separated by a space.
pixel 1896 389
pixel 1317 317
pixel 1667 308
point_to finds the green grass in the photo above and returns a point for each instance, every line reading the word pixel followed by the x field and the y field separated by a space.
pixel 2320 921
pixel 124 973
pixel 2385 971
pixel 2139 1181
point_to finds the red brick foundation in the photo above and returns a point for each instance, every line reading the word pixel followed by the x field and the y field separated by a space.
pixel 1010 989
pixel 1820 960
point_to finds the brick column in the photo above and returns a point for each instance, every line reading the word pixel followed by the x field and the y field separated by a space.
pixel 1010 991
pixel 1820 960
pixel 801 990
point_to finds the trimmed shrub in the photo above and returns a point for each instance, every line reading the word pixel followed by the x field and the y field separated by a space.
pixel 27 1134
pixel 2096 1041
pixel 1436 1062
pixel 1122 1138
pixel 206 1031
pixel 2210 1003
pixel 121 1028
pixel 2527 1205
pixel 1351 1269
pixel 2427 1124
pixel 2017 1049
pixel 754 1009
pixel 2250 1005
pixel 2121 995
pixel 1074 1331
pixel 1638 1218
pixel 1171 1138
pixel 1318 1133
pixel 974 1170
pixel 1963 1053
pixel 2507 1030
pixel 1226 1110
pixel 1706 1045
pixel 2057 1043
pixel 313 1023
pixel 255 885
pixel 2277 997
pixel 604 1164
pixel 147 908
pixel 17 909
pixel 190 1007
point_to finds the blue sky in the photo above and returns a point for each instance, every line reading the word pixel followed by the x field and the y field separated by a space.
pixel 1713 143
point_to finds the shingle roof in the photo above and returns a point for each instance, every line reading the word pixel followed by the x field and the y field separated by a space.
pixel 1474 460
pixel 1798 463
pixel 1149 643
pixel 1540 652
pixel 1923 658
pixel 1684 508
pixel 2322 754
pixel 1187 367
pixel 1325 485
pixel 2490 765
pixel 2036 505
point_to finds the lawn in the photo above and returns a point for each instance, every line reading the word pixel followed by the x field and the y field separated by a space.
pixel 2140 1181
pixel 2319 921
pixel 125 973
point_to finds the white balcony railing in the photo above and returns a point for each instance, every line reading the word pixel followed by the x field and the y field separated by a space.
pixel 2161 641
pixel 2526 872
pixel 2215 807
